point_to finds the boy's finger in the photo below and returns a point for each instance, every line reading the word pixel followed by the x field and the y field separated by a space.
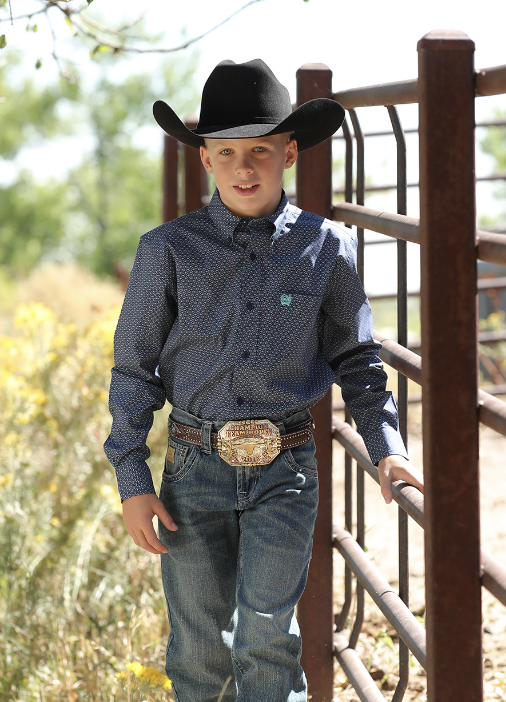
pixel 413 477
pixel 387 494
pixel 386 486
pixel 165 517
pixel 150 542
pixel 141 541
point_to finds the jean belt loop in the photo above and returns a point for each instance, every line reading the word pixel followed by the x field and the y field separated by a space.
pixel 205 437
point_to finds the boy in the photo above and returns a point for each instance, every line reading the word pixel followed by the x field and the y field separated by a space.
pixel 242 315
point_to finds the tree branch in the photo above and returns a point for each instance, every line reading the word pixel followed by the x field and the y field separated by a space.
pixel 85 24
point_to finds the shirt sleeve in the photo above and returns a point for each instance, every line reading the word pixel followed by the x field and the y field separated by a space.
pixel 353 354
pixel 148 312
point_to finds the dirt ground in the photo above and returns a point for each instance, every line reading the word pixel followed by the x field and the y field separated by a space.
pixel 378 642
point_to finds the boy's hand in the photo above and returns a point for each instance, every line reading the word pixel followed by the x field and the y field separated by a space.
pixel 138 513
pixel 395 467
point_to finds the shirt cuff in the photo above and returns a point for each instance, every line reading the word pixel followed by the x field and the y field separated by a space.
pixel 386 442
pixel 134 481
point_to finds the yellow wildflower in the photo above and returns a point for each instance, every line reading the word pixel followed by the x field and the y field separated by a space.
pixel 148 676
pixel 6 480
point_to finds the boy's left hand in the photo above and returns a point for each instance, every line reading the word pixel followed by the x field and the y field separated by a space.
pixel 395 467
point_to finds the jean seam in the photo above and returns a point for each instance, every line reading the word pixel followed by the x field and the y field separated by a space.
pixel 184 470
pixel 295 467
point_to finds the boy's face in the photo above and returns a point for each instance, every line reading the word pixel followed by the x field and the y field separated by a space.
pixel 257 163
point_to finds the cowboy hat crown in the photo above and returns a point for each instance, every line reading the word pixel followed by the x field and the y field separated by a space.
pixel 244 100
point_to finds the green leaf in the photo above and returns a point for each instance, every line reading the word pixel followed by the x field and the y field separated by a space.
pixel 38 64
pixel 89 2
pixel 67 20
pixel 3 42
pixel 34 28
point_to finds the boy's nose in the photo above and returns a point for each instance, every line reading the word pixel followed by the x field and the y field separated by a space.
pixel 244 165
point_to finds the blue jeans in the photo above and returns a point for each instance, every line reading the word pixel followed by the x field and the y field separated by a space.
pixel 236 568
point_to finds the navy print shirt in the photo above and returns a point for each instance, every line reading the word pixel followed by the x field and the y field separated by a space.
pixel 233 318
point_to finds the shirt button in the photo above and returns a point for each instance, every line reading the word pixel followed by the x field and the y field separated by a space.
pixel 253 255
pixel 250 305
pixel 245 354
pixel 240 400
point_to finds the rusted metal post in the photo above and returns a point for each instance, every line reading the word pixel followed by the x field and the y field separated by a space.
pixel 192 174
pixel 449 371
pixel 170 163
pixel 314 193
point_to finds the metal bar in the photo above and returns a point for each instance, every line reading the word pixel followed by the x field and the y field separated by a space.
pixel 315 609
pixel 395 225
pixel 406 624
pixel 359 138
pixel 412 502
pixel 407 496
pixel 342 618
pixel 169 183
pixel 491 247
pixel 360 492
pixel 414 130
pixel 490 81
pixel 399 93
pixel 491 411
pixel 449 402
pixel 402 386
pixel 370 188
pixel 484 337
pixel 355 670
pixel 493 576
pixel 348 178
pixel 192 173
pixel 482 285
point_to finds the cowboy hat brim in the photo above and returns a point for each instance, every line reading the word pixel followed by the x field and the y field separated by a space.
pixel 311 123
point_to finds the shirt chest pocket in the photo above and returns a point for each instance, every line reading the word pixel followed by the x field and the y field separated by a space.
pixel 290 322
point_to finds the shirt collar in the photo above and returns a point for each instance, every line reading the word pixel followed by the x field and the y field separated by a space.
pixel 226 222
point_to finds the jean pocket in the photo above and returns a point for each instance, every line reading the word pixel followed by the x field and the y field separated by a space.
pixel 179 458
pixel 301 459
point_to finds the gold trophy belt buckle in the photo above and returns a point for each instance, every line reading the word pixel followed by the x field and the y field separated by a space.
pixel 253 442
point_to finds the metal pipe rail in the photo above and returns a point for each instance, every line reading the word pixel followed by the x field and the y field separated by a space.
pixel 488 81
pixel 406 625
pixel 490 246
pixel 491 410
pixel 412 502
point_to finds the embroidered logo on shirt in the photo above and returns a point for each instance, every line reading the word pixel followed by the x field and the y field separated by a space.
pixel 286 299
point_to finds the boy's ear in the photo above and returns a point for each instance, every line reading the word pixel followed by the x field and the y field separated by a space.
pixel 205 158
pixel 291 153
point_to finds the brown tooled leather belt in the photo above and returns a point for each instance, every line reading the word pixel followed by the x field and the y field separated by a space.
pixel 247 442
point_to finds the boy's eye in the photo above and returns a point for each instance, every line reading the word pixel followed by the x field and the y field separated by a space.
pixel 260 148
pixel 225 152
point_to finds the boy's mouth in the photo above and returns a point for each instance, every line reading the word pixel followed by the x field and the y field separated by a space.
pixel 246 190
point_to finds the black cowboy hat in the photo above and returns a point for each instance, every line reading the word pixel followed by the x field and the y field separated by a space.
pixel 242 100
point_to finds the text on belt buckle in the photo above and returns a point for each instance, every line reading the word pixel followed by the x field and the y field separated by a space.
pixel 253 442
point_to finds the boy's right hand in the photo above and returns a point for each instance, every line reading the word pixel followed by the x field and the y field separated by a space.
pixel 138 513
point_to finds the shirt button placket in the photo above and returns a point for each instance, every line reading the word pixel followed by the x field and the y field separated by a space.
pixel 246 344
